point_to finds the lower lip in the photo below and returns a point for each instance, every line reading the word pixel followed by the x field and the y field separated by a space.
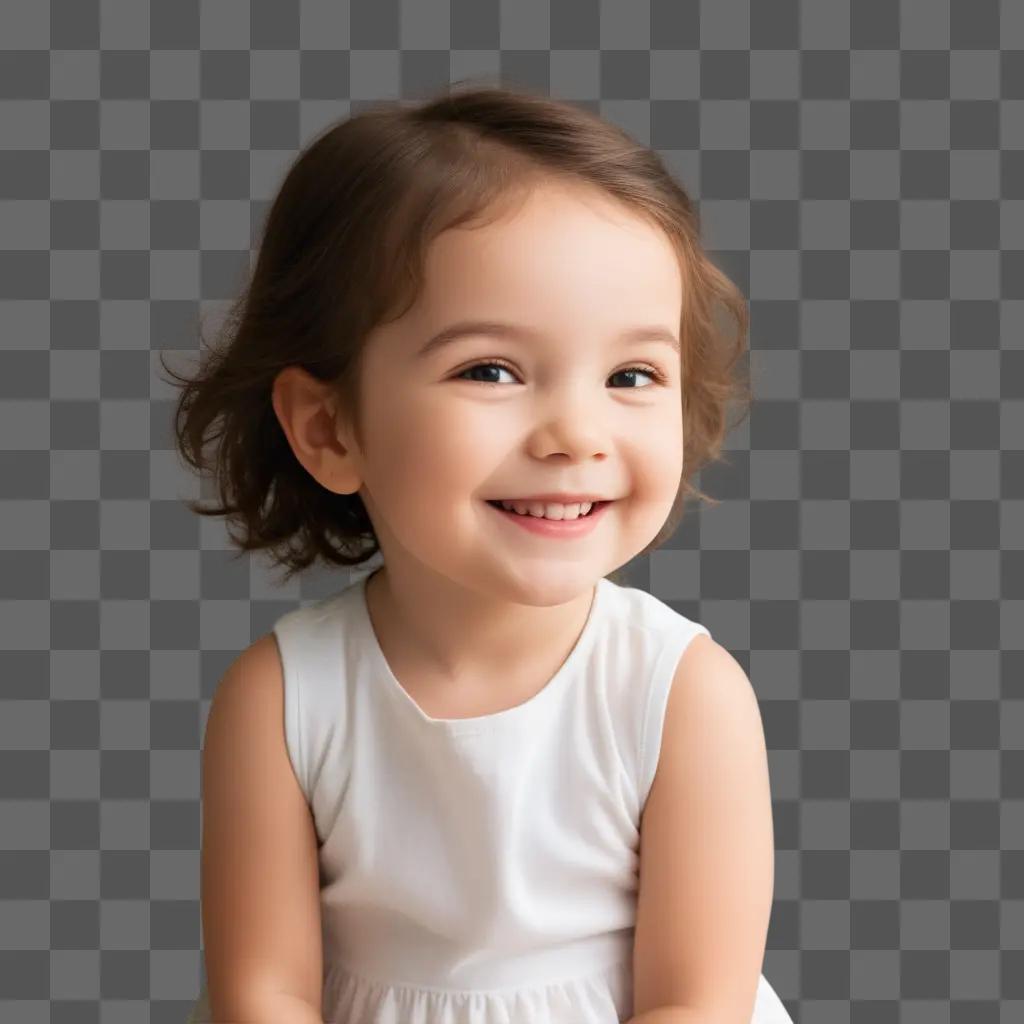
pixel 563 528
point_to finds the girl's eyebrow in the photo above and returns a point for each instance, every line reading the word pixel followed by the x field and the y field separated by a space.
pixel 652 332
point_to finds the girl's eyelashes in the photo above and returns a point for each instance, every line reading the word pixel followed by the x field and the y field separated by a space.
pixel 651 371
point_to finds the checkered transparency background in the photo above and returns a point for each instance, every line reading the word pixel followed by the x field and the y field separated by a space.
pixel 859 168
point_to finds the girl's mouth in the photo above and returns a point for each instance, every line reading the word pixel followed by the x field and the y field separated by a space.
pixel 560 528
pixel 498 505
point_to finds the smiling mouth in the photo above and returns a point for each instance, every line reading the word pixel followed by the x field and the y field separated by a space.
pixel 501 508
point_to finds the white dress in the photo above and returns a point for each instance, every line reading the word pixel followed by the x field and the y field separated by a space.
pixel 480 870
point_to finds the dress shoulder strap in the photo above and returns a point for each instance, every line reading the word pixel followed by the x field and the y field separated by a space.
pixel 677 633
pixel 311 644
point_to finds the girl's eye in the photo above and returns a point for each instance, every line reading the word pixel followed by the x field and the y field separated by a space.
pixel 651 371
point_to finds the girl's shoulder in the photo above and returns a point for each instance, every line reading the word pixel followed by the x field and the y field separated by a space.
pixel 254 676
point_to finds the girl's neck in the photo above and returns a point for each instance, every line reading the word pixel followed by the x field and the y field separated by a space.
pixel 465 642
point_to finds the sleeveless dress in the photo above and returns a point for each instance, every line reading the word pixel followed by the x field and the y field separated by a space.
pixel 480 870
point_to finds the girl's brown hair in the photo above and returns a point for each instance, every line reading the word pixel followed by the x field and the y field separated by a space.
pixel 342 252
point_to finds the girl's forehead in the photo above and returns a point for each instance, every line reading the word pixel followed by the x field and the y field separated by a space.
pixel 550 246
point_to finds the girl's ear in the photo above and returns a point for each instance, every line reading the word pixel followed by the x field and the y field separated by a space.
pixel 307 410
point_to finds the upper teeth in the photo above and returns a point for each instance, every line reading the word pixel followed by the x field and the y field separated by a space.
pixel 548 510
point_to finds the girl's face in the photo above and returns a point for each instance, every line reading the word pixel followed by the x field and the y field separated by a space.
pixel 573 407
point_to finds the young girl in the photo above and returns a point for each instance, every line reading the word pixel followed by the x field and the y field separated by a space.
pixel 485 781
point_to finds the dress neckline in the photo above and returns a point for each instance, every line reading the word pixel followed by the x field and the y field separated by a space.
pixel 480 723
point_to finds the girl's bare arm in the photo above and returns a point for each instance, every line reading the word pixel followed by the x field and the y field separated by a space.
pixel 260 880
